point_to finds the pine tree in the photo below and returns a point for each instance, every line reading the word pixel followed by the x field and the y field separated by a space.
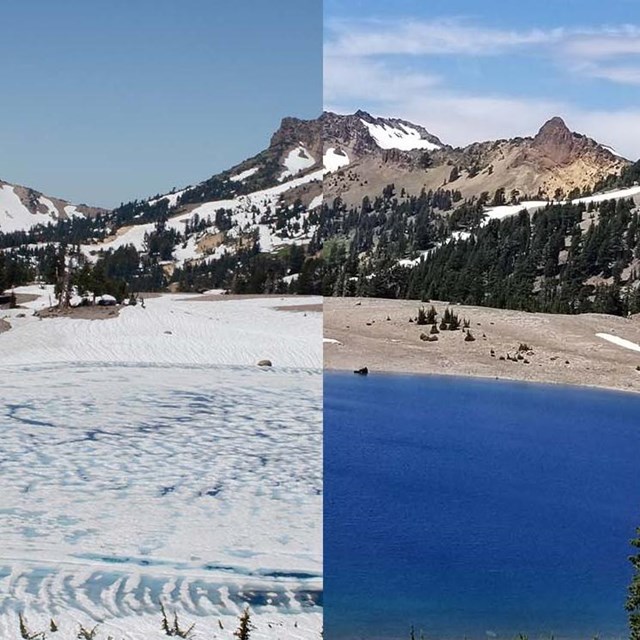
pixel 633 597
pixel 243 632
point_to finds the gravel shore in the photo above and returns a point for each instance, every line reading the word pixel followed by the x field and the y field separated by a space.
pixel 562 349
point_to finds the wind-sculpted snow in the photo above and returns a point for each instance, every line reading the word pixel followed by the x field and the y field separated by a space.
pixel 194 484
pixel 171 329
pixel 124 486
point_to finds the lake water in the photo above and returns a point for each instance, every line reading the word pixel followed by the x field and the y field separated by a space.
pixel 476 508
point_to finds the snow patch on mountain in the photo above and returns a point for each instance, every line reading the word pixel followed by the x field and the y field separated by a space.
pixel 316 202
pixel 171 198
pixel 243 175
pixel 247 214
pixel 72 211
pixel 49 206
pixel 401 137
pixel 334 159
pixel 630 192
pixel 133 235
pixel 620 342
pixel 14 216
pixel 297 160
pixel 506 210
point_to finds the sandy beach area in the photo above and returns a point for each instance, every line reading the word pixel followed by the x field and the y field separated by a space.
pixel 589 350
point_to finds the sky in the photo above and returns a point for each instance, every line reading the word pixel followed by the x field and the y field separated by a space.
pixel 471 71
pixel 105 101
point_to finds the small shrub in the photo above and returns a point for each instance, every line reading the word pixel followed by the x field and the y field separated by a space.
pixel 469 337
pixel 25 633
pixel 87 634
pixel 243 632
pixel 434 328
pixel 422 316
pixel 173 628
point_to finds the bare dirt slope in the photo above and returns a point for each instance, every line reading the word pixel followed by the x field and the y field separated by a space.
pixel 562 349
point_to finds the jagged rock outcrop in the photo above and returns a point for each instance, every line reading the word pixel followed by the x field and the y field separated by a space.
pixel 553 163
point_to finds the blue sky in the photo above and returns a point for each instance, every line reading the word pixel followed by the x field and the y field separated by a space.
pixel 110 100
pixel 472 70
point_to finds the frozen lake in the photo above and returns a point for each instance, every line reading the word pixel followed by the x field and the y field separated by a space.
pixel 125 485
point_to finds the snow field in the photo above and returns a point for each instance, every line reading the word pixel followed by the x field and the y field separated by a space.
pixel 163 465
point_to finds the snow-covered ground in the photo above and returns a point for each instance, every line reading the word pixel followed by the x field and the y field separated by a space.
pixel 246 211
pixel 171 198
pixel 620 342
pixel 506 210
pixel 14 216
pixel 610 195
pixel 146 459
pixel 243 175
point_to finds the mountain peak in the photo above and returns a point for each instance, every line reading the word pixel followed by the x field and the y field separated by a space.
pixel 360 113
pixel 554 128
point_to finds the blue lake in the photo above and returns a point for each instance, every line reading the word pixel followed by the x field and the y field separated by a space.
pixel 477 509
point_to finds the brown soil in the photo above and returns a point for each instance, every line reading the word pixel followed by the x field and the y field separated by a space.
pixel 562 349
pixel 221 297
pixel 81 313
pixel 299 308
pixel 23 298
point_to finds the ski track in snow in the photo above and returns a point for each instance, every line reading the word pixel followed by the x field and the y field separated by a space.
pixel 137 468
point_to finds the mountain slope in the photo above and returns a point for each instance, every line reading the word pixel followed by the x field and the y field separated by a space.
pixel 22 208
pixel 544 223
pixel 267 197
pixel 248 228
pixel 556 162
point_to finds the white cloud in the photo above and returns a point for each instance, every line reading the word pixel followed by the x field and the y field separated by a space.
pixel 407 37
pixel 607 43
pixel 362 70
pixel 577 49
pixel 359 79
pixel 620 74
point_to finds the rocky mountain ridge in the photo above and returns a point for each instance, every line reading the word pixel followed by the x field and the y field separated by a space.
pixel 554 163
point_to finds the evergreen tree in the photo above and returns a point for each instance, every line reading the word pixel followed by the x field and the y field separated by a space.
pixel 243 632
pixel 633 597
